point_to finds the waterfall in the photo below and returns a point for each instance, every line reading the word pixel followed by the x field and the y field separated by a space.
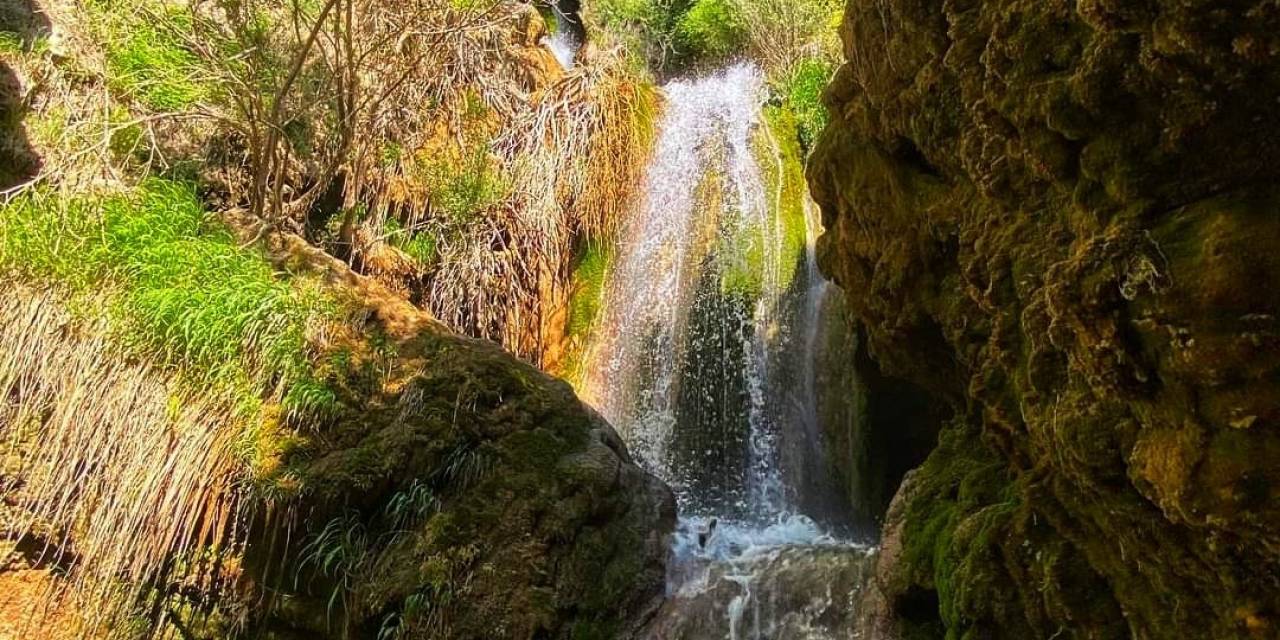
pixel 703 361
pixel 680 362
pixel 564 43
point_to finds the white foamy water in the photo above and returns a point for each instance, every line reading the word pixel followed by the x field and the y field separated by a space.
pixel 635 364
pixel 789 580
pixel 564 45
pixel 692 371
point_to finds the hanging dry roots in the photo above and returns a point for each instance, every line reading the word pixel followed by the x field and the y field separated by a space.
pixel 131 483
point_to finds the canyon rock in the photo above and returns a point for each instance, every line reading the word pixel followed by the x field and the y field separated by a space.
pixel 1057 221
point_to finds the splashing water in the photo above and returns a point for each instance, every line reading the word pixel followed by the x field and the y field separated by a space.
pixel 564 44
pixel 678 361
pixel 703 360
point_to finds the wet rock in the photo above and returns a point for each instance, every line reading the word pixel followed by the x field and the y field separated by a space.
pixel 798 593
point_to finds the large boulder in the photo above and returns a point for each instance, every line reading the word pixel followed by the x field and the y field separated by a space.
pixel 454 492
pixel 1059 219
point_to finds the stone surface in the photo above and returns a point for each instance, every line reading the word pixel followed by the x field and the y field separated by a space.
pixel 799 593
pixel 457 493
pixel 1059 220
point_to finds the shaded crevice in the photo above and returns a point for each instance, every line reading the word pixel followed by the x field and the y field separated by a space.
pixel 906 153
pixel 894 429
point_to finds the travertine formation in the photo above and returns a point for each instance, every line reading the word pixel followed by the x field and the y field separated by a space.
pixel 1057 220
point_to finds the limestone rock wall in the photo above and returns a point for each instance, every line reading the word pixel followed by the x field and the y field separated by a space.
pixel 1060 220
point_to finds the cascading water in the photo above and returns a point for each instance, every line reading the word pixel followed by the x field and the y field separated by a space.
pixel 703 361
pixel 676 364
pixel 564 43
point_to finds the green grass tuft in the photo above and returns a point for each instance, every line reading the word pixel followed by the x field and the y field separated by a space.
pixel 590 276
pixel 588 288
pixel 147 59
pixel 181 291
pixel 11 44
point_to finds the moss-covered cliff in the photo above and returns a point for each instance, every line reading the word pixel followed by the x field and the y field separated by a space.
pixel 1058 220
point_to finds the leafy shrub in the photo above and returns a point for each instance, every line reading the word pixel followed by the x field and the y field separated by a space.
pixel 711 29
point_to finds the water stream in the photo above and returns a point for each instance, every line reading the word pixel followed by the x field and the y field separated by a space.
pixel 564 41
pixel 703 360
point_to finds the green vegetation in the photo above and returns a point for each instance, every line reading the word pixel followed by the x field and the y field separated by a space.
pixel 742 257
pixel 180 289
pixel 14 44
pixel 462 188
pixel 147 59
pixel 711 29
pixel 781 160
pixel 802 92
pixel 420 244
pixel 588 288
pixel 590 276
pixel 644 27
pixel 11 44
pixel 672 35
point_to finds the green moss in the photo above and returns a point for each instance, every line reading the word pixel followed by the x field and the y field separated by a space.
pixel 781 161
pixel 963 501
pixel 802 95
pixel 742 262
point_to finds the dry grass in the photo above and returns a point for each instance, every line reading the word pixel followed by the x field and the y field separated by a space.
pixel 120 471
pixel 577 155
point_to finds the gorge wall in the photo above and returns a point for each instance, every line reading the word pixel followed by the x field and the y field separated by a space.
pixel 1056 221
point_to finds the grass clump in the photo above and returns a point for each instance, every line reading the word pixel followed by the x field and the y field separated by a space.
pixel 146 57
pixel 588 288
pixel 11 44
pixel 182 291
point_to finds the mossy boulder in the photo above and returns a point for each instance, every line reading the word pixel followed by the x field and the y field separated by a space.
pixel 453 492
pixel 1059 219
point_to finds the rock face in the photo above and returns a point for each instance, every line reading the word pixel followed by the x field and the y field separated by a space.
pixel 1058 221
pixel 799 593
pixel 537 525
pixel 456 493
